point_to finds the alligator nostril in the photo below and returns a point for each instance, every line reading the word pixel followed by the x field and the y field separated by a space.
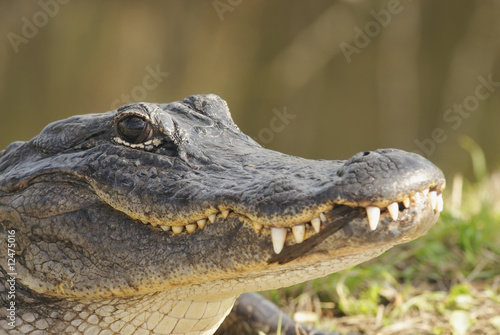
pixel 366 153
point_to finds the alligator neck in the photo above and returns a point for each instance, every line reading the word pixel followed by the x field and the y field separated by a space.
pixel 152 313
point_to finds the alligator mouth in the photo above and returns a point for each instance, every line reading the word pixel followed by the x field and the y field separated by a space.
pixel 304 231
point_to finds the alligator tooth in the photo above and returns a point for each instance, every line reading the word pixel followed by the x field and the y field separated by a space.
pixel 145 222
pixel 165 228
pixel 373 214
pixel 393 210
pixel 316 223
pixel 211 218
pixel 177 229
pixel 278 236
pixel 433 199
pixel 299 232
pixel 191 227
pixel 406 202
pixel 440 203
pixel 225 213
pixel 201 223
pixel 154 224
pixel 257 227
pixel 425 192
pixel 322 217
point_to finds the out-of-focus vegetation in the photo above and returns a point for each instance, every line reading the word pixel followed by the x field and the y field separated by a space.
pixel 356 75
pixel 446 282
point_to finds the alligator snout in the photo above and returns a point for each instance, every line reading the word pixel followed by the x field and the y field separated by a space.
pixel 385 176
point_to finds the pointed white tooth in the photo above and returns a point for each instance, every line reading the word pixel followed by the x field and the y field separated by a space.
pixel 316 223
pixel 393 210
pixel 433 199
pixel 406 202
pixel 322 217
pixel 177 229
pixel 299 232
pixel 440 203
pixel 201 223
pixel 154 224
pixel 191 227
pixel 225 213
pixel 165 228
pixel 145 222
pixel 373 214
pixel 425 192
pixel 257 227
pixel 278 236
pixel 211 218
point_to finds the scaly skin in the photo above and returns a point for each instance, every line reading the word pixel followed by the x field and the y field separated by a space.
pixel 152 219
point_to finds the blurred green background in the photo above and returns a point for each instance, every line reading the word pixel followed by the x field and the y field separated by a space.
pixel 351 75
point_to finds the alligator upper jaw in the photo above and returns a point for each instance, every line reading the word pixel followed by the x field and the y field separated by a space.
pixel 290 205
pixel 305 236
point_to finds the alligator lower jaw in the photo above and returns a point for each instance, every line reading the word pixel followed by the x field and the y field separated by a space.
pixel 301 232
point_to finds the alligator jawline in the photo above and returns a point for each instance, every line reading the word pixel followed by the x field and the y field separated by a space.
pixel 309 234
pixel 343 215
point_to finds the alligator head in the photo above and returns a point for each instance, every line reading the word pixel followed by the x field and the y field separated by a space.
pixel 155 205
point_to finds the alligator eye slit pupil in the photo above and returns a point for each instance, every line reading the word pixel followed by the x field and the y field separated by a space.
pixel 134 129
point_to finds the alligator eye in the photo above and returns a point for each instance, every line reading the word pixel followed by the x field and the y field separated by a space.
pixel 134 129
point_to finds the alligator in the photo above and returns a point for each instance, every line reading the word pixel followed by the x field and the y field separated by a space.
pixel 154 218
